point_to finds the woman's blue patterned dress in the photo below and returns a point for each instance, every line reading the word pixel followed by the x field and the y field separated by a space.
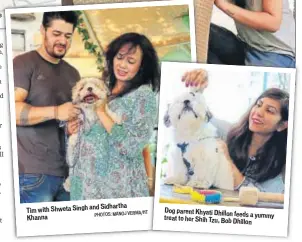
pixel 112 165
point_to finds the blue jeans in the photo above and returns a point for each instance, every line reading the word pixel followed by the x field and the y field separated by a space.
pixel 226 48
pixel 42 188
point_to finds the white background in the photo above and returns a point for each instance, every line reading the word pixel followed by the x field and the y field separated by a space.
pixel 24 3
pixel 7 229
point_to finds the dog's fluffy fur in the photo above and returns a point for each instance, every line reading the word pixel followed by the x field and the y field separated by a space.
pixel 88 93
pixel 194 156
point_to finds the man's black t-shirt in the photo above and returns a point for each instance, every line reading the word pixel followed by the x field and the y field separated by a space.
pixel 41 147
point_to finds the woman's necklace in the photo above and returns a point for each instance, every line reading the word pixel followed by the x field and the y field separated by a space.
pixel 252 151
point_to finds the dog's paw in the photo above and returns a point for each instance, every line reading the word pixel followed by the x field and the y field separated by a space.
pixel 174 180
pixel 199 184
pixel 66 184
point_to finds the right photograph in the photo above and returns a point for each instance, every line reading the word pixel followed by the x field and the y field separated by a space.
pixel 253 33
pixel 224 149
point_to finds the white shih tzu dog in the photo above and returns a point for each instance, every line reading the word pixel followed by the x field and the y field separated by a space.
pixel 195 157
pixel 88 93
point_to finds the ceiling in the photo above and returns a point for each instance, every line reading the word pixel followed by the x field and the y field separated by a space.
pixel 163 25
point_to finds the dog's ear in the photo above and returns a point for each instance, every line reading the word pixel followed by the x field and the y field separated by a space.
pixel 167 120
pixel 75 91
pixel 106 88
pixel 209 115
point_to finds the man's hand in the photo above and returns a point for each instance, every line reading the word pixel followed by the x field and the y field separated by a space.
pixel 197 78
pixel 66 111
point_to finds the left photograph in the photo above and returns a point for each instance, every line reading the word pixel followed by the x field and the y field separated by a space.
pixel 84 87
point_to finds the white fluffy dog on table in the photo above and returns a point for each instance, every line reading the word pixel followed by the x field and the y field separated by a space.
pixel 195 157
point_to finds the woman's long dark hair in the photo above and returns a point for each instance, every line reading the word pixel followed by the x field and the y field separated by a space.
pixel 271 158
pixel 149 72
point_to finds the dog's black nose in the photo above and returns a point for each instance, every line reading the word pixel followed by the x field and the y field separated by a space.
pixel 89 89
pixel 186 102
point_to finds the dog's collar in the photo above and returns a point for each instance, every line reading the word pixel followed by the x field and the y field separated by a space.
pixel 208 137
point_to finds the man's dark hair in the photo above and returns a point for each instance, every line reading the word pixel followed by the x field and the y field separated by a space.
pixel 68 16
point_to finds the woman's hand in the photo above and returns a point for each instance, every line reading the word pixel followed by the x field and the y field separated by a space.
pixel 101 106
pixel 105 120
pixel 197 78
pixel 73 126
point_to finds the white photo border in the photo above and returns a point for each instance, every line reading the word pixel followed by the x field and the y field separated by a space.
pixel 276 227
pixel 75 222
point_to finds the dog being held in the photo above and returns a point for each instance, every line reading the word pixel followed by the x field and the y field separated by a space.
pixel 195 157
pixel 88 94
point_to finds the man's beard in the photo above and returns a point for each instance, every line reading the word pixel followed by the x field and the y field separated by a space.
pixel 51 50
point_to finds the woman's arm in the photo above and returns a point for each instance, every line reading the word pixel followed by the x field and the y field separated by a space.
pixel 149 169
pixel 105 119
pixel 272 185
pixel 269 19
pixel 237 175
pixel 139 118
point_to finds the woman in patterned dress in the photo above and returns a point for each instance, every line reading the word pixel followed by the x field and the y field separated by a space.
pixel 112 165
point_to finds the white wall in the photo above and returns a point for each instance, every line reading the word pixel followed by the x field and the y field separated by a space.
pixel 30 28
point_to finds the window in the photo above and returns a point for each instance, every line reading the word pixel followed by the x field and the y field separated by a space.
pixel 18 42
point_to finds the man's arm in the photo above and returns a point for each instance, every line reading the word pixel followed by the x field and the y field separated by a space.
pixel 27 115
pixel 269 19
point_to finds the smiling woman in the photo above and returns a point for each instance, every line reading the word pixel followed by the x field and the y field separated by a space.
pixel 256 146
pixel 118 169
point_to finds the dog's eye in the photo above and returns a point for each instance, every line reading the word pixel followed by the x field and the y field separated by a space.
pixel 192 94
pixel 81 88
